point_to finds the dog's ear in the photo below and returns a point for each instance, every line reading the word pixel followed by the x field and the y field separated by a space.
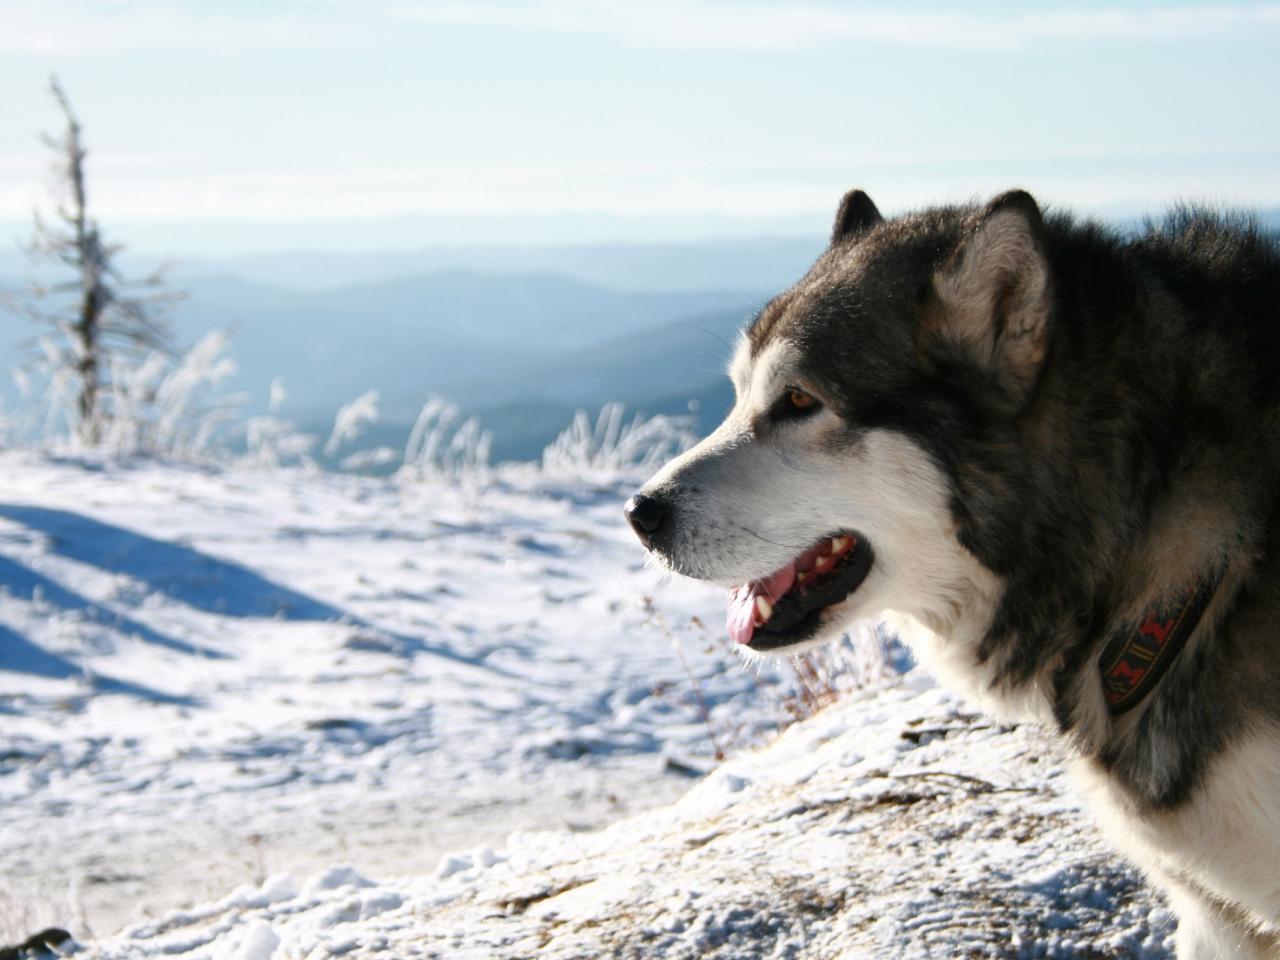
pixel 856 214
pixel 994 292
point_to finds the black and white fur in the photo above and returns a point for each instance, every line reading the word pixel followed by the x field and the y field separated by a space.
pixel 1041 428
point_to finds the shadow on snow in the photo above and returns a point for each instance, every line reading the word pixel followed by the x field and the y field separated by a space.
pixel 186 575
pixel 20 655
pixel 181 573
pixel 27 584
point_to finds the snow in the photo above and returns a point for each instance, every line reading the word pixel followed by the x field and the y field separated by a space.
pixel 257 942
pixel 893 824
pixel 447 720
pixel 210 675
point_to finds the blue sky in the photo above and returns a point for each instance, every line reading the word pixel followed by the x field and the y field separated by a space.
pixel 239 124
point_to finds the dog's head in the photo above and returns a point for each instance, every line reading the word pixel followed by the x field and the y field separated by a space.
pixel 842 483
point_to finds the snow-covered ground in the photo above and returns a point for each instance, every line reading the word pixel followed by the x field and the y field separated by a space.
pixel 893 825
pixel 208 676
pixel 314 690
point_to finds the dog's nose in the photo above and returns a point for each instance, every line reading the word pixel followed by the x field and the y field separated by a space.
pixel 646 515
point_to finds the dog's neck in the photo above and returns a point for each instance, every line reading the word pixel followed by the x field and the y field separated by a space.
pixel 1200 528
pixel 1034 642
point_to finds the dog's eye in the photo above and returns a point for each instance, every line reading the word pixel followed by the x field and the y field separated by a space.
pixel 799 400
pixel 795 402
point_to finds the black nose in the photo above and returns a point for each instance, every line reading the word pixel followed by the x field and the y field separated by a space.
pixel 646 516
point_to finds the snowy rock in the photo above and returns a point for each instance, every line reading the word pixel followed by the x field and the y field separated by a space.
pixel 335 878
pixel 257 942
pixel 479 859
pixel 452 863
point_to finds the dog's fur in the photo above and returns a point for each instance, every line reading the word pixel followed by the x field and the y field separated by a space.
pixel 1041 428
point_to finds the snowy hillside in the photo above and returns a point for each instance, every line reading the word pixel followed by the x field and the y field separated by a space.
pixel 894 825
pixel 207 676
pixel 217 680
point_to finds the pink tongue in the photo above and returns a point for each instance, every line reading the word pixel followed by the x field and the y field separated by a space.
pixel 742 616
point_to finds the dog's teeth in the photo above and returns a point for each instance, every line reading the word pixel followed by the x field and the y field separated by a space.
pixel 822 562
pixel 839 544
pixel 764 608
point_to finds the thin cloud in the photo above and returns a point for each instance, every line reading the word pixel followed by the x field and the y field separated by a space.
pixel 707 23
pixel 89 27
pixel 639 190
pixel 84 28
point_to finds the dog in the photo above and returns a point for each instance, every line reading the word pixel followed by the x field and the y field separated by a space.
pixel 1054 450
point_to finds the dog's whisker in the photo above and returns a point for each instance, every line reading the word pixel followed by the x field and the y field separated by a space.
pixel 786 546
pixel 702 329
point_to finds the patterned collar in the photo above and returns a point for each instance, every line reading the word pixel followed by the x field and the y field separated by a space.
pixel 1133 661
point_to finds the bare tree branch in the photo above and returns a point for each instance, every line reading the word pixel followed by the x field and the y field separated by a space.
pixel 99 313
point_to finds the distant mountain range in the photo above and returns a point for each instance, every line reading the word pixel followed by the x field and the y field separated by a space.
pixel 485 341
pixel 521 349
pixel 724 264
pixel 760 263
pixel 678 367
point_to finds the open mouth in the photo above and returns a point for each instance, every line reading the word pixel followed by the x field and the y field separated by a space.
pixel 786 607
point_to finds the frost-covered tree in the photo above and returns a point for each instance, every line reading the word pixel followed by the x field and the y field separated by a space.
pixel 96 315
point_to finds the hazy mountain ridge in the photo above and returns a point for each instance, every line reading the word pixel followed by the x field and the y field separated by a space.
pixel 653 267
pixel 476 338
pixel 484 340
pixel 677 368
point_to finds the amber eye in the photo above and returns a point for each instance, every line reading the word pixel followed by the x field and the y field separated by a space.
pixel 797 399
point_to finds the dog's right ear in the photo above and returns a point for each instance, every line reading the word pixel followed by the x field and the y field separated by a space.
pixel 856 215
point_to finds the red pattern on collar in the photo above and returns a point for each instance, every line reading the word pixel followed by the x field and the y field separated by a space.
pixel 1133 661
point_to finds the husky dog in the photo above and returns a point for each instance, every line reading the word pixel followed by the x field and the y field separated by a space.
pixel 1057 450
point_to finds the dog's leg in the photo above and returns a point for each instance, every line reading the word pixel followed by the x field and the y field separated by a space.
pixel 1211 930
